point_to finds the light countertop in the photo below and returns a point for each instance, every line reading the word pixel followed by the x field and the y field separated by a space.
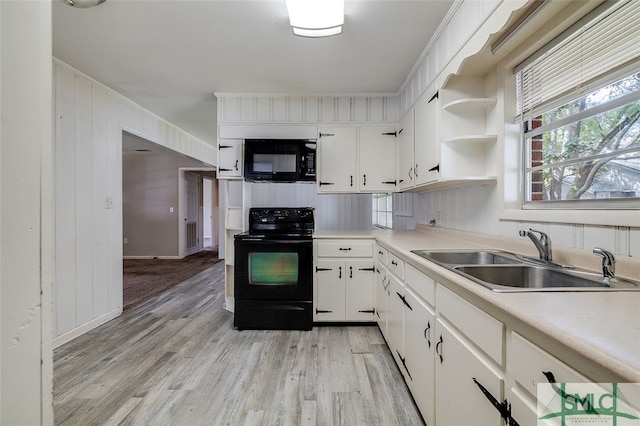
pixel 603 327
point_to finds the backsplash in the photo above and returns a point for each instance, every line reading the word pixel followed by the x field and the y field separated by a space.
pixel 476 209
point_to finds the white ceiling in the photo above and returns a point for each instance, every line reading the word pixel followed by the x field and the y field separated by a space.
pixel 170 56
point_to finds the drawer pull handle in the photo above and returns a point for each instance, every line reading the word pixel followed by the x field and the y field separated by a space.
pixel 427 333
pixel 438 350
pixel 394 263
pixel 345 249
pixel 380 252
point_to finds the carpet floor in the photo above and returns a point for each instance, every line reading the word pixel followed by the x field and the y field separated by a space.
pixel 145 278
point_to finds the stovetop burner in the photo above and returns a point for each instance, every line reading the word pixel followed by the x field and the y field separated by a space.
pixel 280 222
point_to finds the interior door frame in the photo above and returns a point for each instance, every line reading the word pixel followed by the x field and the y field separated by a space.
pixel 182 204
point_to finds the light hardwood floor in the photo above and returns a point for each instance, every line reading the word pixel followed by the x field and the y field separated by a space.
pixel 176 360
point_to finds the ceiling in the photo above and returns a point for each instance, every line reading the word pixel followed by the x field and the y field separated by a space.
pixel 170 56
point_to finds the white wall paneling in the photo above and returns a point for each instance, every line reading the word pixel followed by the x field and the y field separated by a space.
pixel 26 214
pixel 280 109
pixel 89 119
pixel 332 211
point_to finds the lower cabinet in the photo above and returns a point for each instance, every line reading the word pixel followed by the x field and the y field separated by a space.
pixel 464 383
pixel 449 376
pixel 381 295
pixel 395 320
pixel 344 277
pixel 462 365
pixel 419 353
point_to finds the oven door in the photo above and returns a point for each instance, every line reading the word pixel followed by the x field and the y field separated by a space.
pixel 273 270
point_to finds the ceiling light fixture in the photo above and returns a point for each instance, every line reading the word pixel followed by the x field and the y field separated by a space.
pixel 83 3
pixel 316 18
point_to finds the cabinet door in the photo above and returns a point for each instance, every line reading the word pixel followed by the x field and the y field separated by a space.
pixel 230 162
pixel 427 140
pixel 405 151
pixel 377 154
pixel 381 297
pixel 395 327
pixel 337 160
pixel 419 353
pixel 459 400
pixel 359 275
pixel 523 409
pixel 329 297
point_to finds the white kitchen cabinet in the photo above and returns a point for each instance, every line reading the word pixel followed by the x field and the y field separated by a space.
pixel 395 320
pixel 344 278
pixel 406 177
pixel 337 159
pixel 359 159
pixel 381 296
pixel 459 372
pixel 377 154
pixel 427 137
pixel 419 352
pixel 230 158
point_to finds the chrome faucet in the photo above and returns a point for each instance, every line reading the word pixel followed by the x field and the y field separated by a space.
pixel 608 264
pixel 543 244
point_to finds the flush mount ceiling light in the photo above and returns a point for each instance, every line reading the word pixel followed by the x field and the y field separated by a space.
pixel 83 4
pixel 316 18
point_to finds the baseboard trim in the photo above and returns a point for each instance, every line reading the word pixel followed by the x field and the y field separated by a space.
pixel 152 257
pixel 79 331
pixel 229 304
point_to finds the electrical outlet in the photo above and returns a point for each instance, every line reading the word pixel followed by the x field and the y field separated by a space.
pixel 126 240
pixel 170 209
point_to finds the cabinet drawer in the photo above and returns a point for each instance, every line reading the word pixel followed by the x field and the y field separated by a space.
pixel 381 254
pixel 421 284
pixel 481 328
pixel 528 361
pixel 396 266
pixel 345 248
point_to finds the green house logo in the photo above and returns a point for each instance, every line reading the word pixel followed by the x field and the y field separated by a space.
pixel 569 404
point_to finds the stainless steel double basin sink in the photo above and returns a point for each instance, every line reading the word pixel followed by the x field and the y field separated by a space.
pixel 506 272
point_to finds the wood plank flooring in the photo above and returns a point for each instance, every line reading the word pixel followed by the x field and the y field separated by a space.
pixel 176 360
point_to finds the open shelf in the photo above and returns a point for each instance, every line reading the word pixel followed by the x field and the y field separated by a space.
pixel 466 105
pixel 457 182
pixel 472 139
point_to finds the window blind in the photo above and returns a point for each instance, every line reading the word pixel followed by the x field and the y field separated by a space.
pixel 606 39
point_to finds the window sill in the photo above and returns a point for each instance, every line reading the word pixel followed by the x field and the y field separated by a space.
pixel 629 218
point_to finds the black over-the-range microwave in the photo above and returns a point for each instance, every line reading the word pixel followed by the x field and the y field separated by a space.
pixel 280 160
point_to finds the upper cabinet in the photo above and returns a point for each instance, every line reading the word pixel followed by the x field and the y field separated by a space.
pixel 377 155
pixel 357 159
pixel 406 178
pixel 426 133
pixel 419 142
pixel 337 159
pixel 230 160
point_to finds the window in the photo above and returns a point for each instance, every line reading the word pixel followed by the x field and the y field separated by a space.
pixel 579 102
pixel 382 210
